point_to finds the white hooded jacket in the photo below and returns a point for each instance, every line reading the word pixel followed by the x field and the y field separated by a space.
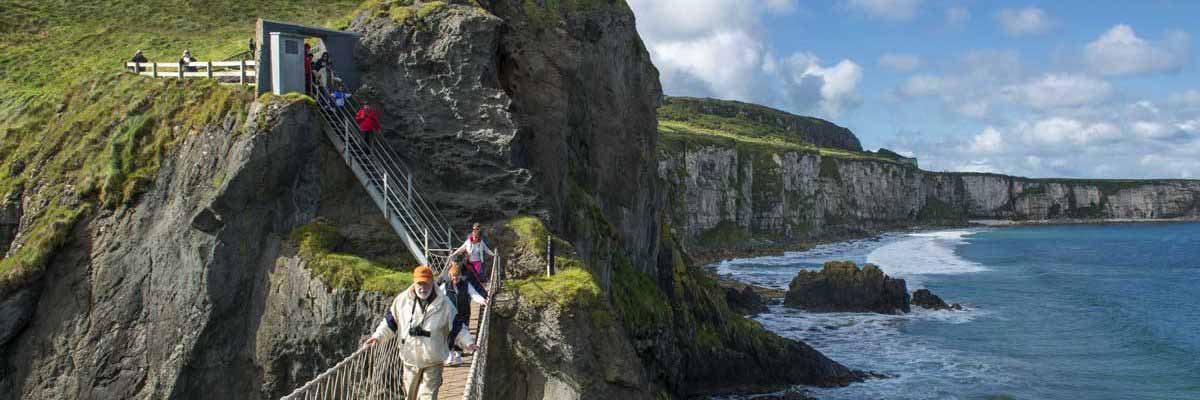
pixel 420 351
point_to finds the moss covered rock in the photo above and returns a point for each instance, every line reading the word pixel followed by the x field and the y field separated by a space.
pixel 841 286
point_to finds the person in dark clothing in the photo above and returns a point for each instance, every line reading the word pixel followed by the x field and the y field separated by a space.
pixel 318 68
pixel 139 58
pixel 252 48
pixel 461 292
pixel 187 59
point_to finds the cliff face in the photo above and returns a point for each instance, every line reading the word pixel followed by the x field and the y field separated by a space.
pixel 728 193
pixel 194 292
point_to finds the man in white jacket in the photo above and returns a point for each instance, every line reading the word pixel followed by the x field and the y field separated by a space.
pixel 420 320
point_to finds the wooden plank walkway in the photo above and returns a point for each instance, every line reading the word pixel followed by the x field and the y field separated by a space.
pixel 454 379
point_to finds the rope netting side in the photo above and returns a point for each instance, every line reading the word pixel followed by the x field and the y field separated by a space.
pixel 368 373
pixel 475 378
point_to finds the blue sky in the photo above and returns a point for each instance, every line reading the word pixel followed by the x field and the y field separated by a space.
pixel 1063 88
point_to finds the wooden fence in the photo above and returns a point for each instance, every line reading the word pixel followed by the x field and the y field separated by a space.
pixel 240 72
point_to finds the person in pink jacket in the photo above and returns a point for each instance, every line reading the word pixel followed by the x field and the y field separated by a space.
pixel 475 248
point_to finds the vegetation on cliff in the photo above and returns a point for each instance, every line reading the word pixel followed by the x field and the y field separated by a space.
pixel 77 133
pixel 318 243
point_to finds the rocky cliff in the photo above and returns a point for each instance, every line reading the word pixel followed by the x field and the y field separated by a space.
pixel 195 290
pixel 730 191
pixel 547 109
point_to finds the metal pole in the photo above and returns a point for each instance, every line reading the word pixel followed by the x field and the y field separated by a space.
pixel 210 76
pixel 409 191
pixel 426 244
pixel 154 69
pixel 387 207
pixel 549 255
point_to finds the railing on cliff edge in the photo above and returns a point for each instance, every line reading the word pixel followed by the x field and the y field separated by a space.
pixel 241 72
pixel 389 182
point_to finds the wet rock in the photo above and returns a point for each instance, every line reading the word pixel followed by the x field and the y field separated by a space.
pixel 926 299
pixel 745 301
pixel 842 287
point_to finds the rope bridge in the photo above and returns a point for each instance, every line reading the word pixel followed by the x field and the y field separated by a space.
pixel 375 372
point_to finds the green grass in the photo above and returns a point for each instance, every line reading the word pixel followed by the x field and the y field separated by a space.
pixel 676 133
pixel 317 243
pixel 568 287
pixel 77 133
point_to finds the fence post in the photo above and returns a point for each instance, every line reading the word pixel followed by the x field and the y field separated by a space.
pixel 182 67
pixel 154 69
pixel 549 255
pixel 210 76
pixel 243 71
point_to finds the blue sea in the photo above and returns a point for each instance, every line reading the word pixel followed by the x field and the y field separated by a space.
pixel 1053 312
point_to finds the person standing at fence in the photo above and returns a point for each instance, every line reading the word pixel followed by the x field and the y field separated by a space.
pixel 475 248
pixel 139 58
pixel 461 292
pixel 368 123
pixel 187 59
pixel 419 320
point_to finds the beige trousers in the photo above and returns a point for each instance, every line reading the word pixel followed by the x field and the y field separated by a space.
pixel 422 384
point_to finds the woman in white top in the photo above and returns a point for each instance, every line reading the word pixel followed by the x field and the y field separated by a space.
pixel 475 248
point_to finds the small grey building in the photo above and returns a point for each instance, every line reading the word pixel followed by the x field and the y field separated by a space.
pixel 280 55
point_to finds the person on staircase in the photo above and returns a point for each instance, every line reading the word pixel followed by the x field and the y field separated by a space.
pixel 462 292
pixel 475 248
pixel 368 123
pixel 420 320
pixel 318 68
pixel 308 73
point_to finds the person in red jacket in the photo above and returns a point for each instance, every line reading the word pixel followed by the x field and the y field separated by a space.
pixel 368 123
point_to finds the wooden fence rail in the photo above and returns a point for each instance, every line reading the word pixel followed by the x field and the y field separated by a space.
pixel 244 70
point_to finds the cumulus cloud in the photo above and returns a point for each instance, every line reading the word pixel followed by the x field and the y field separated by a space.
pixel 1059 90
pixel 957 16
pixel 716 49
pixel 1061 130
pixel 900 62
pixel 986 142
pixel 891 10
pixel 1024 22
pixel 1120 51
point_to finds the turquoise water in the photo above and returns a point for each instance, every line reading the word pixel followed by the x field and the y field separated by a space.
pixel 1054 312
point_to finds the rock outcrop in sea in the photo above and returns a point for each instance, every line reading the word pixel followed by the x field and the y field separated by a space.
pixel 925 299
pixel 841 286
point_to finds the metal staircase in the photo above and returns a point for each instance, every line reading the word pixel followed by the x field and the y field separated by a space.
pixel 390 184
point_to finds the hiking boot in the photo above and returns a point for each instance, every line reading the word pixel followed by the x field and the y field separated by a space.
pixel 453 360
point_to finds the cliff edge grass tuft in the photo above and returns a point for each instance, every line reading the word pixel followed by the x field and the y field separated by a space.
pixel 316 243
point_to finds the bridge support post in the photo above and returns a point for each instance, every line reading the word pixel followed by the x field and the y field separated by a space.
pixel 427 245
pixel 549 255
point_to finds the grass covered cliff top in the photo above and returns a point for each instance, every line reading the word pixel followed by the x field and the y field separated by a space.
pixel 687 120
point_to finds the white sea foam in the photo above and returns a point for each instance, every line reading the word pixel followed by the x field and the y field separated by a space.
pixel 924 254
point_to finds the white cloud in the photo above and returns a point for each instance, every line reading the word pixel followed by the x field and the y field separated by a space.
pixel 1119 51
pixel 1055 90
pixel 837 83
pixel 987 142
pixel 892 10
pixel 1024 22
pixel 957 16
pixel 900 62
pixel 1150 130
pixel 1061 130
pixel 716 49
